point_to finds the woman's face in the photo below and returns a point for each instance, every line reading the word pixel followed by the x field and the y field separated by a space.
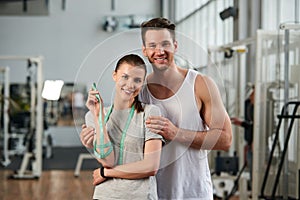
pixel 129 81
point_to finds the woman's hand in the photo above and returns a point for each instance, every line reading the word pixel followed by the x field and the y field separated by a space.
pixel 87 136
pixel 93 103
pixel 97 177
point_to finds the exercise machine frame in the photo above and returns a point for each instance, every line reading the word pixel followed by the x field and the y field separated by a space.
pixel 36 121
pixel 6 161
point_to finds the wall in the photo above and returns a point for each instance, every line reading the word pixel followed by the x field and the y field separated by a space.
pixel 65 38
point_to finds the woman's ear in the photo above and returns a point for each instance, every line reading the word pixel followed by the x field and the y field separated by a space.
pixel 114 76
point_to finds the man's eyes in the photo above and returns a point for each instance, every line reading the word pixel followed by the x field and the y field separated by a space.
pixel 163 44
pixel 166 44
pixel 152 46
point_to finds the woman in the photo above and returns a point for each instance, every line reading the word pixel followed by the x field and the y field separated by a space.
pixel 128 151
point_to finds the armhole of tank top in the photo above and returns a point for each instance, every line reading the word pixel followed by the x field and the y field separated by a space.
pixel 193 82
pixel 193 75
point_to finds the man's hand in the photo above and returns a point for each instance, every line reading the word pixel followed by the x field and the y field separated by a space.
pixel 87 136
pixel 236 121
pixel 97 177
pixel 162 126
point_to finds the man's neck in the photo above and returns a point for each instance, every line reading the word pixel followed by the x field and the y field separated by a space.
pixel 167 77
pixel 164 84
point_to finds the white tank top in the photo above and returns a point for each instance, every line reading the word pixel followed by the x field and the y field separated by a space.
pixel 184 172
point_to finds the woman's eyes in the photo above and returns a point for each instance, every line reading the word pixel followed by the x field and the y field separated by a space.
pixel 125 77
pixel 137 80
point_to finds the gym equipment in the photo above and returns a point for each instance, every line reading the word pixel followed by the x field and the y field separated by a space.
pixel 284 115
pixel 229 164
pixel 33 153
pixel 227 185
pixel 277 69
pixel 5 99
pixel 79 162
pixel 277 59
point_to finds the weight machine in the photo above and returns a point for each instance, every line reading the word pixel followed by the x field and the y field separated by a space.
pixel 277 70
pixel 33 153
pixel 4 116
pixel 276 150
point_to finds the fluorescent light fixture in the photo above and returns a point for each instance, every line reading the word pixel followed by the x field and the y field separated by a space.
pixel 52 89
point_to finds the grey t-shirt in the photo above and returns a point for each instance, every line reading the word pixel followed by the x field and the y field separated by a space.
pixel 136 136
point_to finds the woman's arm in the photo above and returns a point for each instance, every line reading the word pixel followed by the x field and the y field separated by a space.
pixel 136 170
pixel 107 151
pixel 102 149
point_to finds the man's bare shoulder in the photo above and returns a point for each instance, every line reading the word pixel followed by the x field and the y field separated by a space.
pixel 201 82
pixel 205 87
pixel 204 81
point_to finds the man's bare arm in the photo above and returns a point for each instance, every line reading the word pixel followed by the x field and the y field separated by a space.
pixel 218 136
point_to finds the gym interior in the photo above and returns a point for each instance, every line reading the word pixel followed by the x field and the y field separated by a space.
pixel 52 51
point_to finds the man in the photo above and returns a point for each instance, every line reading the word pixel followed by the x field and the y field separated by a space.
pixel 247 124
pixel 194 119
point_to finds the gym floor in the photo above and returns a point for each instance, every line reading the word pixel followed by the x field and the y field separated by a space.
pixel 57 180
pixel 53 184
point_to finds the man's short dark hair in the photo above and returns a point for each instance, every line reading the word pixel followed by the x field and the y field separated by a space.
pixel 156 24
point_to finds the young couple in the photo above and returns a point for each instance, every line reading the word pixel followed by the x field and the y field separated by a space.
pixel 130 134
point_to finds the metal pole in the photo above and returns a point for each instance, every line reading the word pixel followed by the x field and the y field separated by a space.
pixel 6 117
pixel 39 118
pixel 287 27
pixel 113 5
pixel 297 20
pixel 257 148
pixel 286 99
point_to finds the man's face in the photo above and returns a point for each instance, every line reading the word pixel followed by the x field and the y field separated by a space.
pixel 251 97
pixel 159 48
